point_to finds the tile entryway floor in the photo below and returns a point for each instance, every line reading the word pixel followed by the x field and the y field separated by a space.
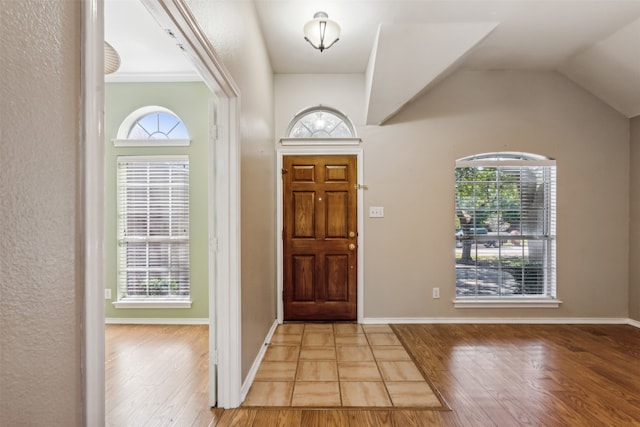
pixel 339 365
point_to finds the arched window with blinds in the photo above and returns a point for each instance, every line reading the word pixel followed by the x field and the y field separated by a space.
pixel 153 212
pixel 506 228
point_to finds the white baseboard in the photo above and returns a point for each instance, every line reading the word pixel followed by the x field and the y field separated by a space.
pixel 256 363
pixel 155 321
pixel 499 320
pixel 634 323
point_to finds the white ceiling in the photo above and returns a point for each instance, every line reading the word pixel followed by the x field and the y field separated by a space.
pixel 146 51
pixel 407 46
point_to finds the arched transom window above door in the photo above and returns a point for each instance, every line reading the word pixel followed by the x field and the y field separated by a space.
pixel 320 125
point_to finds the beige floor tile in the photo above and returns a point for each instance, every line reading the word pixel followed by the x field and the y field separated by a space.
pixel 318 327
pixel 282 353
pixel 276 371
pixel 400 371
pixel 317 370
pixel 290 329
pixel 317 339
pixel 383 339
pixel 357 393
pixel 377 329
pixel 318 353
pixel 318 356
pixel 316 393
pixel 347 329
pixel 359 371
pixel 354 353
pixel 269 393
pixel 390 352
pixel 414 393
pixel 352 339
pixel 291 339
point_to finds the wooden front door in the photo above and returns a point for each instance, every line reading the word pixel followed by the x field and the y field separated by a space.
pixel 320 237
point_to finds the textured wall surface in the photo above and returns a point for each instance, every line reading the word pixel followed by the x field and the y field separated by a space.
pixel 41 300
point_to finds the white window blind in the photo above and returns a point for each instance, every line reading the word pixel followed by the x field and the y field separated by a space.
pixel 506 220
pixel 153 227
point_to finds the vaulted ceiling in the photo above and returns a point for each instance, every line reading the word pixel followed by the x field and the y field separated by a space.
pixel 405 47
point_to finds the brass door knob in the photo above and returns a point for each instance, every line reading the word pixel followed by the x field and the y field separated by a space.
pixel 351 246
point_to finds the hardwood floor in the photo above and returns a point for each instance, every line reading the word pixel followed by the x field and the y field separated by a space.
pixel 490 375
pixel 157 375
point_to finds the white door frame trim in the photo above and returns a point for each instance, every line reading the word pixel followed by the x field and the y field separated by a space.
pixel 224 289
pixel 91 166
pixel 319 150
pixel 225 295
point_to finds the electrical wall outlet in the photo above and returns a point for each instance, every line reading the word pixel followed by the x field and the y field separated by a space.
pixel 376 212
pixel 436 293
pixel 107 293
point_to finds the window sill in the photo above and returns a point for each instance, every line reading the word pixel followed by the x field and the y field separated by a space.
pixel 506 303
pixel 151 142
pixel 153 303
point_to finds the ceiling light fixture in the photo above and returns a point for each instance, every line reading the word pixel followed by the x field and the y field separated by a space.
pixel 321 32
pixel 111 59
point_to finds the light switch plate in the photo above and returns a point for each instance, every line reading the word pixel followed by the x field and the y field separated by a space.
pixel 376 212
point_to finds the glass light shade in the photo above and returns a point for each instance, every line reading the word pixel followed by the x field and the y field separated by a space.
pixel 321 32
pixel 111 59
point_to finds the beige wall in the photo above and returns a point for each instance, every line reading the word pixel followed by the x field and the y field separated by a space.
pixel 634 229
pixel 235 34
pixel 295 92
pixel 408 168
pixel 40 259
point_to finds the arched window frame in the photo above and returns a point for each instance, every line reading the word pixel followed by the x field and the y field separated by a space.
pixel 544 233
pixel 321 140
pixel 123 140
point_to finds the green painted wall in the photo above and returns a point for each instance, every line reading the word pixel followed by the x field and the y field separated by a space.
pixel 190 101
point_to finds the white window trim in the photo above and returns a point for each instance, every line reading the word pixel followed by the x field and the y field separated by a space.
pixel 157 303
pixel 320 141
pixel 151 142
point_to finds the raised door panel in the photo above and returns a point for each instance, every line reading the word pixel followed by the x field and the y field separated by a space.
pixel 319 238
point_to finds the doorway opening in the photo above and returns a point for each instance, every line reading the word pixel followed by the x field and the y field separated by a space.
pixel 224 299
pixel 319 237
pixel 339 262
pixel 320 272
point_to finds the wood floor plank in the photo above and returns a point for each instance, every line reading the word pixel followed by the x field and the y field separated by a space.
pixel 368 418
pixel 277 418
pixel 239 417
